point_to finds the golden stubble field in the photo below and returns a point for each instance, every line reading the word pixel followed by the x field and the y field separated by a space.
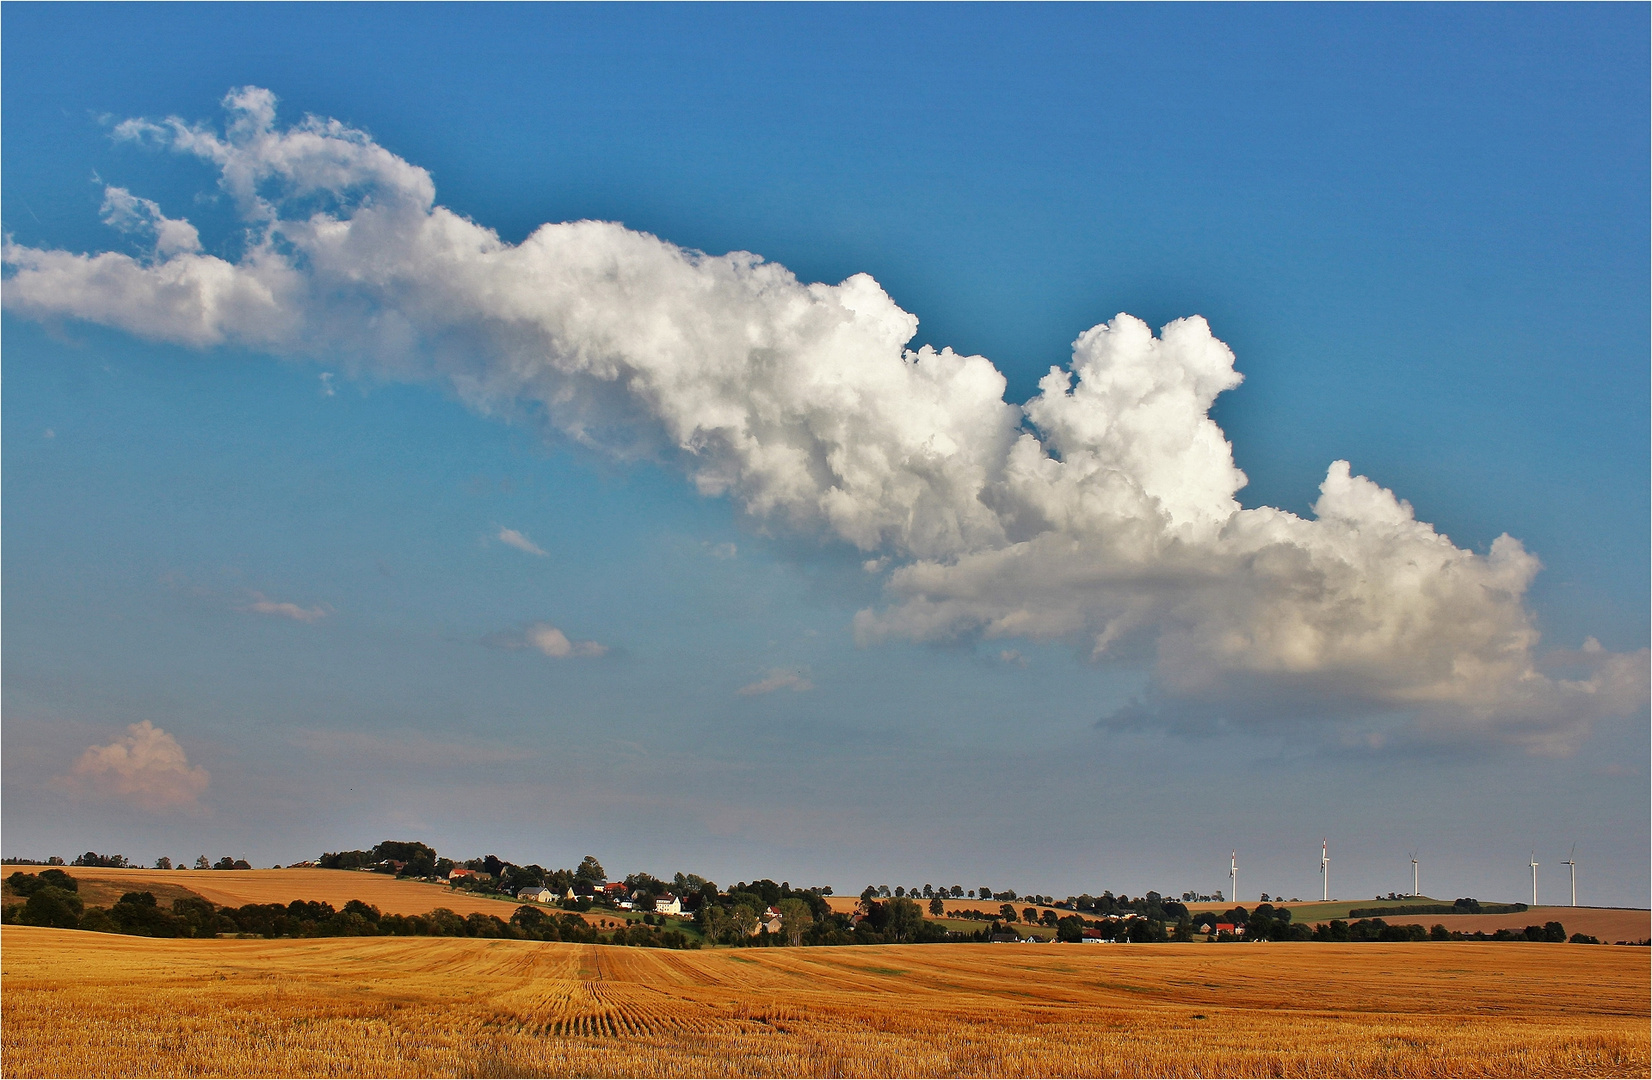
pixel 236 887
pixel 77 1003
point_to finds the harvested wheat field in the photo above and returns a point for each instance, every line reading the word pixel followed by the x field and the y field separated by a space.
pixel 77 1003
pixel 236 887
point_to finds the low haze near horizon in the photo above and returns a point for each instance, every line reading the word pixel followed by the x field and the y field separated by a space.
pixel 344 502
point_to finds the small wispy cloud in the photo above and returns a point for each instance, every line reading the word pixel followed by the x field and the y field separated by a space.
pixel 520 542
pixel 721 551
pixel 262 605
pixel 547 639
pixel 1013 656
pixel 146 768
pixel 327 389
pixel 777 680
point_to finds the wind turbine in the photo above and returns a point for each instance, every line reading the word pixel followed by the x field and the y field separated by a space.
pixel 1415 891
pixel 1571 865
pixel 1324 870
pixel 1534 879
pixel 1234 874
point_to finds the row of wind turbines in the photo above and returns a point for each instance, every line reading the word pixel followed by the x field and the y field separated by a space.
pixel 1570 862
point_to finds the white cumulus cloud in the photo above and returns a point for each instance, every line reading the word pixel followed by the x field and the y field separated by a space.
pixel 1103 510
pixel 146 768
pixel 554 643
pixel 547 639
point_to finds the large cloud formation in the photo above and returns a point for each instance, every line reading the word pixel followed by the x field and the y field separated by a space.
pixel 146 768
pixel 1103 509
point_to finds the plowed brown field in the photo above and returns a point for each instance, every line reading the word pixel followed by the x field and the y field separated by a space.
pixel 77 1003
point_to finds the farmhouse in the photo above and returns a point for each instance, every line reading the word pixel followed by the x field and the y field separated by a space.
pixel 536 894
pixel 668 905
pixel 769 920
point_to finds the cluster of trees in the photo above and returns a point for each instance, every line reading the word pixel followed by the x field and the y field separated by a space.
pixel 1152 905
pixel 1463 905
pixel 120 862
pixel 1378 930
pixel 404 858
pixel 52 899
pixel 954 892
pixel 1268 923
pixel 733 918
pixel 92 858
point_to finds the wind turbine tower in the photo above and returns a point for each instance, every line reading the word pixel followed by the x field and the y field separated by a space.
pixel 1324 870
pixel 1571 865
pixel 1534 879
pixel 1233 873
pixel 1415 890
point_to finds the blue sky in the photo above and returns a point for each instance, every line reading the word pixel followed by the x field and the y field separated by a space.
pixel 1421 231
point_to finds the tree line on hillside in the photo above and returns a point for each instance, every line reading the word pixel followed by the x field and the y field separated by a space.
pixel 1268 923
pixel 52 899
pixel 758 913
pixel 1463 905
pixel 120 862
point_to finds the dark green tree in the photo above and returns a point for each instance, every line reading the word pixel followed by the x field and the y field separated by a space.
pixel 52 906
pixel 904 919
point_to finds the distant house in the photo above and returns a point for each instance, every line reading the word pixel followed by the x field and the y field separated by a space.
pixel 1000 939
pixel 1092 938
pixel 1206 928
pixel 1230 928
pixel 625 905
pixel 668 905
pixel 458 873
pixel 769 920
pixel 536 894
pixel 614 889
